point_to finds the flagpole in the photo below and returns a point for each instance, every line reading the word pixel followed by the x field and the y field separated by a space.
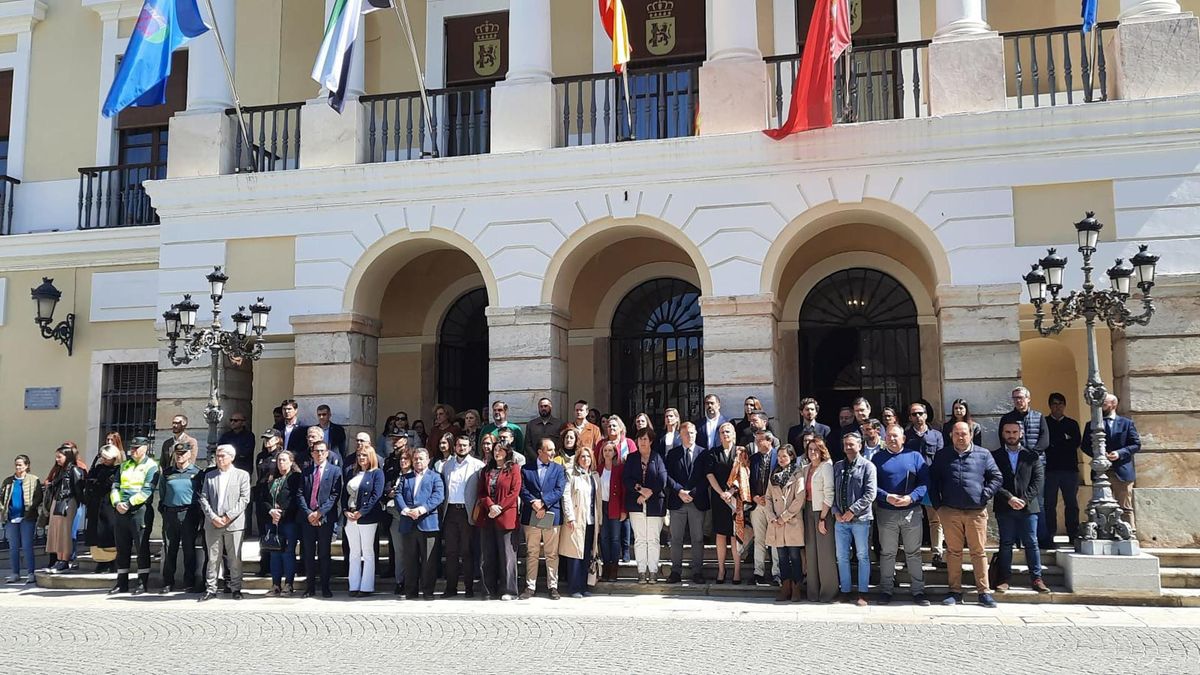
pixel 401 6
pixel 628 102
pixel 237 102
pixel 1093 57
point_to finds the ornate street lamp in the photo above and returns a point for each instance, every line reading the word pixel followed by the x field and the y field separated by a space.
pixel 45 299
pixel 1092 305
pixel 245 341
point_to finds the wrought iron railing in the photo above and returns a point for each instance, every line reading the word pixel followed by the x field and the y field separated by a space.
pixel 459 123
pixel 871 83
pixel 8 189
pixel 274 132
pixel 114 196
pixel 662 103
pixel 1056 66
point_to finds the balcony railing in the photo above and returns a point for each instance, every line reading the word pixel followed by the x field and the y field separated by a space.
pixel 8 188
pixel 274 132
pixel 459 124
pixel 114 196
pixel 593 109
pixel 871 83
pixel 1054 66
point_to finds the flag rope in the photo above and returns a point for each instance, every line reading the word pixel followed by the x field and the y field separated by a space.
pixel 402 6
pixel 237 101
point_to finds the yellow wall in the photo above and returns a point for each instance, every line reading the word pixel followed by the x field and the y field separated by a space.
pixel 8 43
pixel 400 386
pixel 301 28
pixel 1044 215
pixel 571 43
pixel 257 53
pixel 766 30
pixel 244 263
pixel 273 379
pixel 389 60
pixel 27 360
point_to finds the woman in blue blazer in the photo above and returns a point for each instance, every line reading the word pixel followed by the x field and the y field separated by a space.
pixel 362 508
pixel 645 479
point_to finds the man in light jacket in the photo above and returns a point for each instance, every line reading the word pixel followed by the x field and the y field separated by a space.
pixel 854 486
pixel 223 500
pixel 460 474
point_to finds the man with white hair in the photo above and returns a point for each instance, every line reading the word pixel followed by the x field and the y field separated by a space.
pixel 223 500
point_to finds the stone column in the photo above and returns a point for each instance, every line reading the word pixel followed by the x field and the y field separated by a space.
pixel 734 78
pixel 966 61
pixel 523 103
pixel 337 362
pixel 203 136
pixel 527 349
pixel 1157 372
pixel 741 351
pixel 981 352
pixel 331 138
pixel 186 389
pixel 1155 51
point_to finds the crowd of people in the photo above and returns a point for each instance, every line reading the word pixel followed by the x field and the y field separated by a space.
pixel 812 507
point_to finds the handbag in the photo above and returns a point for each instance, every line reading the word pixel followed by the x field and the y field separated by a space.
pixel 61 507
pixel 270 541
pixel 593 572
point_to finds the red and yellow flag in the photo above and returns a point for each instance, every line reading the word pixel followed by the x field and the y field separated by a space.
pixel 812 96
pixel 612 15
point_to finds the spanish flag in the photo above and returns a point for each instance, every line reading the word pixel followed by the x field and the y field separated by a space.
pixel 612 15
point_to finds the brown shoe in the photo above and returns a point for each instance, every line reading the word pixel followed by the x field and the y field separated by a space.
pixel 526 594
pixel 797 592
pixel 1040 586
pixel 860 601
pixel 554 594
pixel 785 591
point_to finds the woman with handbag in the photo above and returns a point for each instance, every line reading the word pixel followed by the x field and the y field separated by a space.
pixel 280 534
pixel 785 501
pixel 645 482
pixel 65 490
pixel 20 503
pixel 579 539
pixel 496 518
pixel 729 478
pixel 363 508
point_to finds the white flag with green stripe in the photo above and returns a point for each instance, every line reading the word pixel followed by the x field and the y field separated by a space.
pixel 332 68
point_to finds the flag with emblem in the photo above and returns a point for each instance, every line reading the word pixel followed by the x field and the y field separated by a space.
pixel 332 69
pixel 812 95
pixel 162 27
pixel 612 15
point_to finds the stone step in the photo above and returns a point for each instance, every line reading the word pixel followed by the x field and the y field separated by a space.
pixel 1176 557
pixel 1180 577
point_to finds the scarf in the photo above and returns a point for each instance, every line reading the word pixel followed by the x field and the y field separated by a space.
pixel 781 477
pixel 739 484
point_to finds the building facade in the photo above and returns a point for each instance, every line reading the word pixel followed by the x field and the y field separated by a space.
pixel 538 233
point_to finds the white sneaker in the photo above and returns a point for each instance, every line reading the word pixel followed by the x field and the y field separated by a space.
pixel 10 579
pixel 30 579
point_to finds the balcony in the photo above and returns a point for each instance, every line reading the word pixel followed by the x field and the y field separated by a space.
pixel 457 124
pixel 662 103
pixel 274 132
pixel 1050 66
pixel 8 188
pixel 114 196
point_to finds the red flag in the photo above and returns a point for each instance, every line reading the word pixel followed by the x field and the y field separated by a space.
pixel 812 96
pixel 612 15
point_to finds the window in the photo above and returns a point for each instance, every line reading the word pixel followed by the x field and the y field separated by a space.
pixel 144 145
pixel 658 350
pixel 463 353
pixel 128 399
pixel 6 82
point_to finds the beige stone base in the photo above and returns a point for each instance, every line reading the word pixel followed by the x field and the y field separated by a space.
pixel 735 96
pixel 966 74
pixel 206 142
pixel 332 139
pixel 523 116
pixel 1156 56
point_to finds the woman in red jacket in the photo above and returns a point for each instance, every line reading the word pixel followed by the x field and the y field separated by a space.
pixel 497 518
pixel 612 497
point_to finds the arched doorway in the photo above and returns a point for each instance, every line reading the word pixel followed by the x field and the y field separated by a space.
pixel 463 353
pixel 859 337
pixel 658 350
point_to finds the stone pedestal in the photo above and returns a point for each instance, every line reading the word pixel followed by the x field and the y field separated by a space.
pixel 966 74
pixel 1109 547
pixel 981 353
pixel 527 348
pixel 331 139
pixel 202 144
pixel 1157 55
pixel 735 96
pixel 523 116
pixel 337 361
pixel 186 389
pixel 740 351
pixel 1112 574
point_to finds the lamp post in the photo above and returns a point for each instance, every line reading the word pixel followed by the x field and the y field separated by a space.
pixel 45 299
pixel 244 341
pixel 1093 305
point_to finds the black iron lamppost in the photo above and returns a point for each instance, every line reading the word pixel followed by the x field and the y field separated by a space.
pixel 45 299
pixel 244 341
pixel 1092 305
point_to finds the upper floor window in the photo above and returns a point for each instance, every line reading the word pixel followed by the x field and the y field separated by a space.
pixel 142 132
pixel 6 82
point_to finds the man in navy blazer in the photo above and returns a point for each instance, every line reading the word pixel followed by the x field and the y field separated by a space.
pixel 708 426
pixel 420 495
pixel 687 498
pixel 317 510
pixel 808 425
pixel 1122 443
pixel 542 484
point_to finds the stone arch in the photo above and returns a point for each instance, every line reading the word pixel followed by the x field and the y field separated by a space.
pixel 634 278
pixel 793 298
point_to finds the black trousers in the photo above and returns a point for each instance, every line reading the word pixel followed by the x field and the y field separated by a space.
pixel 460 557
pixel 316 544
pixel 420 565
pixel 263 509
pixel 499 560
pixel 179 531
pixel 129 529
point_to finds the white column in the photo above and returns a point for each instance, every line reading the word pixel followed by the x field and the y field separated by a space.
pixel 960 17
pixel 1131 9
pixel 208 86
pixel 733 31
pixel 356 84
pixel 529 41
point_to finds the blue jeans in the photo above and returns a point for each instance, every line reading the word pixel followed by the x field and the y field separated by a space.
pixel 789 563
pixel 610 538
pixel 860 531
pixel 20 540
pixel 283 563
pixel 626 538
pixel 1018 525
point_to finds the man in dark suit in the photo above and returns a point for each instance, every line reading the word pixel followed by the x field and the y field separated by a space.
pixel 1122 443
pixel 1017 504
pixel 542 484
pixel 708 426
pixel 294 432
pixel 687 498
pixel 418 502
pixel 317 502
pixel 808 425
pixel 334 435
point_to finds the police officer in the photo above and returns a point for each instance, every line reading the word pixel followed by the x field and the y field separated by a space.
pixel 179 491
pixel 133 486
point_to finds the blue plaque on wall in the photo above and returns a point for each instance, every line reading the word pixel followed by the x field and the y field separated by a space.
pixel 43 398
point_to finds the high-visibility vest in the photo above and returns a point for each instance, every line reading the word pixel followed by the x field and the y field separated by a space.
pixel 134 482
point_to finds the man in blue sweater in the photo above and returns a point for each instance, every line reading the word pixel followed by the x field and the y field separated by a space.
pixel 902 478
pixel 962 480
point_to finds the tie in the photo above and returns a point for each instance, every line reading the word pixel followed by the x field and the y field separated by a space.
pixel 312 502
pixel 687 461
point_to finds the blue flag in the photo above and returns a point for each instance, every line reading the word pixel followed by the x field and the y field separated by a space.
pixel 1089 15
pixel 162 27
